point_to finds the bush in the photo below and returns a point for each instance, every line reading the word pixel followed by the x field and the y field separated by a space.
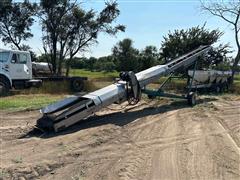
pixel 109 67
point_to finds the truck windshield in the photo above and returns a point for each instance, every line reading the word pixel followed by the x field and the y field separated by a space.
pixel 4 56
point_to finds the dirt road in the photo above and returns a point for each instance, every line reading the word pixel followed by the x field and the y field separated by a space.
pixel 155 140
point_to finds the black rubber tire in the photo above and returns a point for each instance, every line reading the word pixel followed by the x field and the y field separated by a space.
pixel 77 85
pixel 151 97
pixel 4 86
pixel 218 89
pixel 192 98
pixel 225 87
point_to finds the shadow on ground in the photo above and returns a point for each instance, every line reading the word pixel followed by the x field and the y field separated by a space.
pixel 116 118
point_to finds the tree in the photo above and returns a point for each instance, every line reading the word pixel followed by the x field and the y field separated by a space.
pixel 148 57
pixel 43 58
pixel 68 29
pixel 25 47
pixel 228 11
pixel 126 55
pixel 51 14
pixel 105 63
pixel 217 57
pixel 90 63
pixel 182 41
pixel 79 63
pixel 15 22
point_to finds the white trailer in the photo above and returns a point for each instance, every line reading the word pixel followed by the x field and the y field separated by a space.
pixel 212 80
pixel 16 71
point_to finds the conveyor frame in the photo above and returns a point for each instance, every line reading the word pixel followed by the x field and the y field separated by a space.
pixel 161 93
pixel 69 111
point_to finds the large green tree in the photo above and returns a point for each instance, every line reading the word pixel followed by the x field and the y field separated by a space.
pixel 90 63
pixel 182 41
pixel 105 63
pixel 148 57
pixel 126 56
pixel 16 20
pixel 69 29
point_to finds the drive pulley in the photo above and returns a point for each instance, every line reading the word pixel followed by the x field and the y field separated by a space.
pixel 133 87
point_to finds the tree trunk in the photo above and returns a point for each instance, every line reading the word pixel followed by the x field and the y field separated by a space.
pixel 235 64
pixel 59 72
pixel 54 56
pixel 61 59
pixel 68 67
pixel 237 59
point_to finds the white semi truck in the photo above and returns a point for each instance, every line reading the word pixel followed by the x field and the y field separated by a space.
pixel 16 71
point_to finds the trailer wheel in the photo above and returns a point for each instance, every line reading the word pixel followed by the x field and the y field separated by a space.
pixel 225 87
pixel 192 98
pixel 151 97
pixel 4 86
pixel 218 89
pixel 77 85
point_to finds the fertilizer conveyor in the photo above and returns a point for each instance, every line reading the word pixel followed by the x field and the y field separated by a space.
pixel 71 110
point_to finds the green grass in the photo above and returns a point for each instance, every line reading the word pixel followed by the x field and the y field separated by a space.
pixel 236 85
pixel 54 87
pixel 93 74
pixel 53 91
pixel 27 102
pixel 237 77
pixel 17 160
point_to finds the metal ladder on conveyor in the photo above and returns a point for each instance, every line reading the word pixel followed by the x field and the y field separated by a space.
pixel 69 111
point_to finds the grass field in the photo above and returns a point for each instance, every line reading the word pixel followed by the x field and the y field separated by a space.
pixel 237 79
pixel 115 74
pixel 93 74
pixel 27 102
pixel 52 92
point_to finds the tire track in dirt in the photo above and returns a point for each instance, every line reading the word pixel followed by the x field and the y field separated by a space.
pixel 183 143
pixel 182 154
pixel 229 120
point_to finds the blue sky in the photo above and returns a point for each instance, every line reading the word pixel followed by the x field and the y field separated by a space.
pixel 147 21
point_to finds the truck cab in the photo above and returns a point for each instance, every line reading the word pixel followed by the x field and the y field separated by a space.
pixel 16 71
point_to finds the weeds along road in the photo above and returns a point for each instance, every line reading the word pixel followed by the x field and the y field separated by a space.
pixel 154 140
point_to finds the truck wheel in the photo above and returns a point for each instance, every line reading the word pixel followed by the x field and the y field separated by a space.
pixel 4 87
pixel 192 98
pixel 77 85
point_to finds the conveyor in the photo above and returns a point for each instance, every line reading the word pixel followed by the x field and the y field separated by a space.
pixel 69 111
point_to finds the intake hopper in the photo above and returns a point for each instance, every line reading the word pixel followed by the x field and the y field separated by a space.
pixel 64 113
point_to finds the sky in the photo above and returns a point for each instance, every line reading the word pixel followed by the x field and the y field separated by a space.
pixel 146 21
